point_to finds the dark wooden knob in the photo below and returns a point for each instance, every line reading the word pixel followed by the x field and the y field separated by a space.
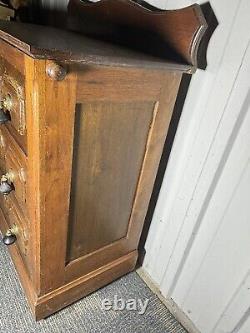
pixel 4 116
pixel 55 71
pixel 9 238
pixel 6 187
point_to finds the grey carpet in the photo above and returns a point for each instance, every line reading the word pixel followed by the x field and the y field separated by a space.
pixel 85 316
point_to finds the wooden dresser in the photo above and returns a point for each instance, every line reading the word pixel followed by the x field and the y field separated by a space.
pixel 84 116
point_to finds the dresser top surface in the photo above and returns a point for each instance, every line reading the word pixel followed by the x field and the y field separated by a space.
pixel 45 42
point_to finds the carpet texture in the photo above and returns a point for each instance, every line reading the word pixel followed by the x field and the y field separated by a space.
pixel 85 316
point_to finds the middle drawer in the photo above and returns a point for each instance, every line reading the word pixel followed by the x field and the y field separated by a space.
pixel 13 164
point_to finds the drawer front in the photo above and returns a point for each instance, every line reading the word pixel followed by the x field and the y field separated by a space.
pixel 13 164
pixel 17 222
pixel 12 95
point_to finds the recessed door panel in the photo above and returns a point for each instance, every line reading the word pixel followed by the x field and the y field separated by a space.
pixel 109 146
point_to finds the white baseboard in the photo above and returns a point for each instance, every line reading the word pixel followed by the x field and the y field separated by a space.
pixel 169 303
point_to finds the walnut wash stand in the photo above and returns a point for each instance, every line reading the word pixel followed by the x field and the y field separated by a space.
pixel 84 115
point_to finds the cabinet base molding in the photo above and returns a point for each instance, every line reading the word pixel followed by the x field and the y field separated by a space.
pixel 75 290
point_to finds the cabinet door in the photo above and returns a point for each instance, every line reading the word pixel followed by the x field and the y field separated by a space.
pixel 103 145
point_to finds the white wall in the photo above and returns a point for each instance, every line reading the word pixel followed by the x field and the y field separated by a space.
pixel 199 242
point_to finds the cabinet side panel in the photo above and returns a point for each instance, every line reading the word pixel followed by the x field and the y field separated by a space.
pixel 109 146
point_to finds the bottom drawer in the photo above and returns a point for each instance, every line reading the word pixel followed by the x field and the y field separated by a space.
pixel 17 223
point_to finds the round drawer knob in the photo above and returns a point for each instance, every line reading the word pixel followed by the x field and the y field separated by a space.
pixel 6 186
pixel 9 238
pixel 4 116
pixel 55 71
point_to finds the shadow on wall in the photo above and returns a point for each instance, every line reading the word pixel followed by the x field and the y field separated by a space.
pixel 184 86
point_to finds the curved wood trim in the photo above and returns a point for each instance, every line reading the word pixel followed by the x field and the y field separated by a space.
pixel 165 33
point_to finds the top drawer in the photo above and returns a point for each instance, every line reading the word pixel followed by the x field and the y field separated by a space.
pixel 12 97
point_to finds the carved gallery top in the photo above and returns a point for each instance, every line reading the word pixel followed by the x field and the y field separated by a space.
pixel 115 33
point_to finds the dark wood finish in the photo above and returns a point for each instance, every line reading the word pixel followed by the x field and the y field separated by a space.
pixel 144 36
pixel 173 34
pixel 84 166
pixel 43 42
